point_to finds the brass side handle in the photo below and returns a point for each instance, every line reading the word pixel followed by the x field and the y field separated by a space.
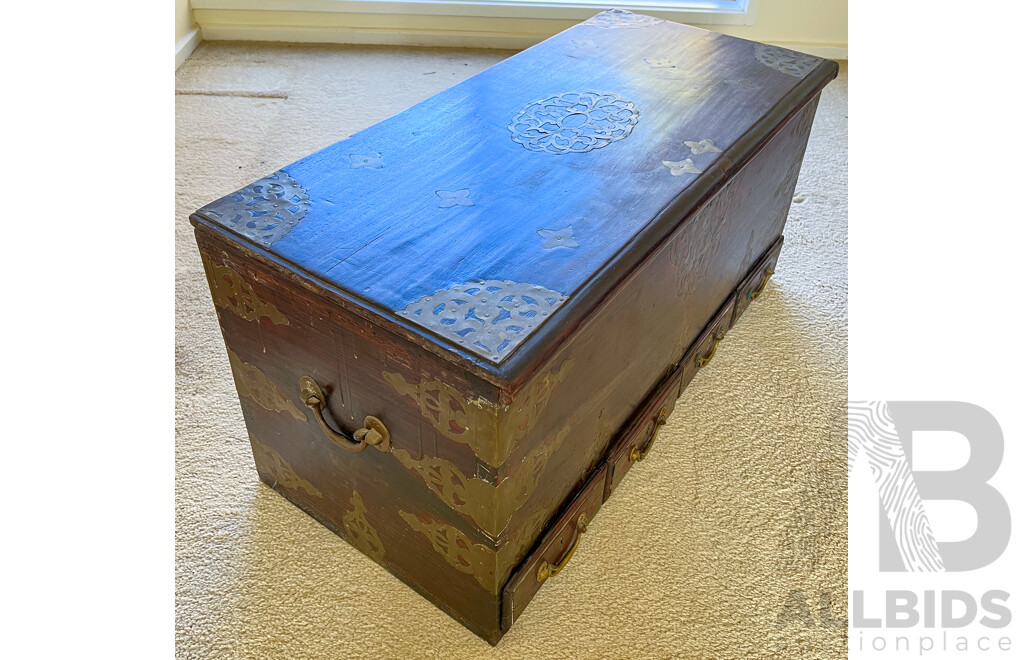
pixel 702 360
pixel 547 570
pixel 636 454
pixel 754 293
pixel 373 432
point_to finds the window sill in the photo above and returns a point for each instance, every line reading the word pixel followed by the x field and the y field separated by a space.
pixel 706 12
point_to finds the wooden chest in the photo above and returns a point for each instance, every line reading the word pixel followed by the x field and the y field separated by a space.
pixel 453 333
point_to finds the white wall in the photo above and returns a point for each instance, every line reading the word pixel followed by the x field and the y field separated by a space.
pixel 184 22
pixel 797 22
pixel 815 26
pixel 186 32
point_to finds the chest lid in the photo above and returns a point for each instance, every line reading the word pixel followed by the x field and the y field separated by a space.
pixel 487 221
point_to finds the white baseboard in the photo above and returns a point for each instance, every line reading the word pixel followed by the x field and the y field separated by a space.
pixel 828 51
pixel 399 37
pixel 185 46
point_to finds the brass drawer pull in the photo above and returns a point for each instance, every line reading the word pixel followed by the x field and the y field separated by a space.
pixel 702 361
pixel 373 432
pixel 546 570
pixel 636 454
pixel 754 293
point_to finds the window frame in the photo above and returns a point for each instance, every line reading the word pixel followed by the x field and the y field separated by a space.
pixel 699 12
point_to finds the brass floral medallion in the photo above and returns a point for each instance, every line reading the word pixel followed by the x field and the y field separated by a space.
pixel 489 317
pixel 230 291
pixel 621 18
pixel 490 567
pixel 360 533
pixel 783 60
pixel 489 507
pixel 574 122
pixel 456 548
pixel 254 385
pixel 523 413
pixel 448 411
pixel 279 469
pixel 491 433
pixel 265 211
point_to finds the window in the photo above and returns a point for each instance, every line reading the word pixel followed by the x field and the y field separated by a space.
pixel 465 23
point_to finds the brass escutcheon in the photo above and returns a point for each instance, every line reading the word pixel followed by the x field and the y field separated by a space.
pixel 636 454
pixel 754 293
pixel 373 432
pixel 547 570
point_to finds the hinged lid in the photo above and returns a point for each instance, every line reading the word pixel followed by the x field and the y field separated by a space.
pixel 487 221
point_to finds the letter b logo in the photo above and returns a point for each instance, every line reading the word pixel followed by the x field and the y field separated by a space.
pixel 883 431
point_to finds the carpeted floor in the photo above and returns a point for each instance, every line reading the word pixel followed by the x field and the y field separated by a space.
pixel 742 504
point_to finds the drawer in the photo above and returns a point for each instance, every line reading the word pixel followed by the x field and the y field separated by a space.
pixel 752 286
pixel 705 348
pixel 639 439
pixel 554 550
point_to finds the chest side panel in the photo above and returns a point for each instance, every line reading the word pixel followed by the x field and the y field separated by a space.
pixel 598 378
pixel 425 508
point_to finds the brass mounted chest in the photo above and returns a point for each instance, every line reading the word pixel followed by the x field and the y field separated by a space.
pixel 454 332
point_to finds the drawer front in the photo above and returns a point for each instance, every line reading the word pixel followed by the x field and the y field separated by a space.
pixel 638 441
pixel 554 550
pixel 753 285
pixel 706 347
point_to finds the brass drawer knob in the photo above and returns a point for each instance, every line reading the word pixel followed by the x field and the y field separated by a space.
pixel 702 361
pixel 373 432
pixel 636 454
pixel 547 570
pixel 754 293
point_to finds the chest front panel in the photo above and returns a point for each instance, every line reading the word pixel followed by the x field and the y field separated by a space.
pixel 607 368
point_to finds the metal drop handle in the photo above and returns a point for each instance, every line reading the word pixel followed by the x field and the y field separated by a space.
pixel 754 293
pixel 373 433
pixel 636 454
pixel 547 570
pixel 702 361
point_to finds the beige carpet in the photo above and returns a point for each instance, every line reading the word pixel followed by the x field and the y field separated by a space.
pixel 742 503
